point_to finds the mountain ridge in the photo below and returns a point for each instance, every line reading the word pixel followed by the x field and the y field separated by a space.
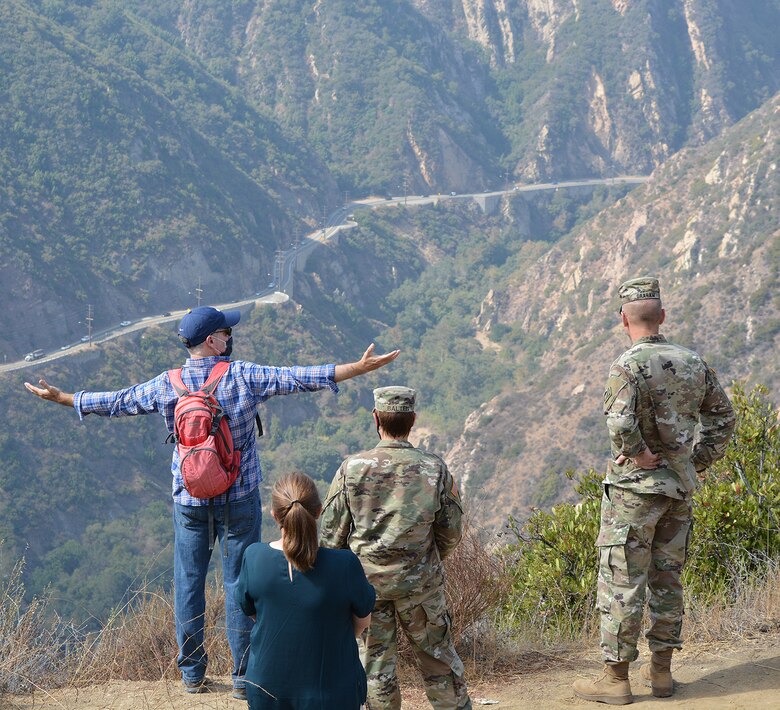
pixel 724 242
pixel 117 190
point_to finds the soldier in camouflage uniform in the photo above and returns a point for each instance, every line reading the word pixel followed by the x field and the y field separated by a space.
pixel 398 509
pixel 657 395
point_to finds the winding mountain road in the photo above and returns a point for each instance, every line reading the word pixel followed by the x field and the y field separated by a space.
pixel 336 222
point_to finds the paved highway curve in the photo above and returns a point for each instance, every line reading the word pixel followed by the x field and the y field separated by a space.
pixel 337 221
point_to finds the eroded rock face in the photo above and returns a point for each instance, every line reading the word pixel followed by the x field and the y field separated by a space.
pixel 703 225
pixel 487 312
pixel 701 24
pixel 599 118
pixel 489 23
pixel 547 16
pixel 665 76
pixel 620 5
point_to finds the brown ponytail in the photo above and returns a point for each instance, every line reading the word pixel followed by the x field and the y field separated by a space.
pixel 296 506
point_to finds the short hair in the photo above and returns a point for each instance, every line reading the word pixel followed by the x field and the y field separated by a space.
pixel 196 349
pixel 396 424
pixel 296 504
pixel 646 311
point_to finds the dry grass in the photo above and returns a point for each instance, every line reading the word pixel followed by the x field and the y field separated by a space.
pixel 755 610
pixel 30 642
pixel 138 643
pixel 475 586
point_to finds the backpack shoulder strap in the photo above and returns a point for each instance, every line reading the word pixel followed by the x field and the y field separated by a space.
pixel 217 373
pixel 176 382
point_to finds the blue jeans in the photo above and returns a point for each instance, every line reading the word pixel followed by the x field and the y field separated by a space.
pixel 191 557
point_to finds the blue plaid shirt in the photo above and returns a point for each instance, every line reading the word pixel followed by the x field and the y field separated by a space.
pixel 240 390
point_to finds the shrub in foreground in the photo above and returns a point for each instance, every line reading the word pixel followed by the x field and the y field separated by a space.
pixel 736 529
pixel 552 564
pixel 736 533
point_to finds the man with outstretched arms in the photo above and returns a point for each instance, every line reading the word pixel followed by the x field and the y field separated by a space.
pixel 398 509
pixel 657 395
pixel 235 515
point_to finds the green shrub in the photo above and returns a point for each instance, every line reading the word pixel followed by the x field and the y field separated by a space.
pixel 736 532
pixel 553 563
pixel 736 528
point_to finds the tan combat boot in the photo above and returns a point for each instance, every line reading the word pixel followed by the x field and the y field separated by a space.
pixel 658 673
pixel 612 687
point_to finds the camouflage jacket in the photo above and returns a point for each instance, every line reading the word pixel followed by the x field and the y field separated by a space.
pixel 398 509
pixel 657 395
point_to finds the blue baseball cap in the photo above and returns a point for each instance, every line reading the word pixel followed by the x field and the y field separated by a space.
pixel 199 323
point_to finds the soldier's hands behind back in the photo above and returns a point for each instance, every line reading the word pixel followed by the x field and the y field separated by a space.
pixel 645 459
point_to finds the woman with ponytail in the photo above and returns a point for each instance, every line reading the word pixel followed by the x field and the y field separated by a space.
pixel 309 603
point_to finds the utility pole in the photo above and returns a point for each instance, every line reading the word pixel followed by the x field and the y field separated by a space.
pixel 89 323
pixel 295 246
pixel 278 268
pixel 296 243
pixel 198 292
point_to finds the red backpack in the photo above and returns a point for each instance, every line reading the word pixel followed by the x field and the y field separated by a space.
pixel 208 460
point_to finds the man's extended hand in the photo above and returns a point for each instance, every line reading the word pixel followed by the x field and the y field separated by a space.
pixel 367 363
pixel 50 393
pixel 370 362
pixel 644 459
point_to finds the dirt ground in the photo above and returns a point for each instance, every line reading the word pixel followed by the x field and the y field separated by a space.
pixel 709 677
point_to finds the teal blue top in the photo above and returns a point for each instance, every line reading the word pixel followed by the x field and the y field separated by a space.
pixel 302 651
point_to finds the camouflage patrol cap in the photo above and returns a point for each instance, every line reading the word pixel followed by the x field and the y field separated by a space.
pixel 394 399
pixel 640 289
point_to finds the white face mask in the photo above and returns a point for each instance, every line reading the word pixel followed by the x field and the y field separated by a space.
pixel 228 345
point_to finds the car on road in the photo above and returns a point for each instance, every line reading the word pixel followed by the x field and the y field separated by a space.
pixel 66 347
pixel 166 314
pixel 272 284
pixel 34 355
pixel 125 323
pixel 85 338
pixel 453 194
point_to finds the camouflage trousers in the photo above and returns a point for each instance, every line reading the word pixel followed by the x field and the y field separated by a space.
pixel 426 623
pixel 642 544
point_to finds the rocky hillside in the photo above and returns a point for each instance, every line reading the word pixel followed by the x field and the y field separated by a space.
pixel 148 147
pixel 440 95
pixel 128 174
pixel 145 146
pixel 706 224
pixel 619 85
pixel 506 321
